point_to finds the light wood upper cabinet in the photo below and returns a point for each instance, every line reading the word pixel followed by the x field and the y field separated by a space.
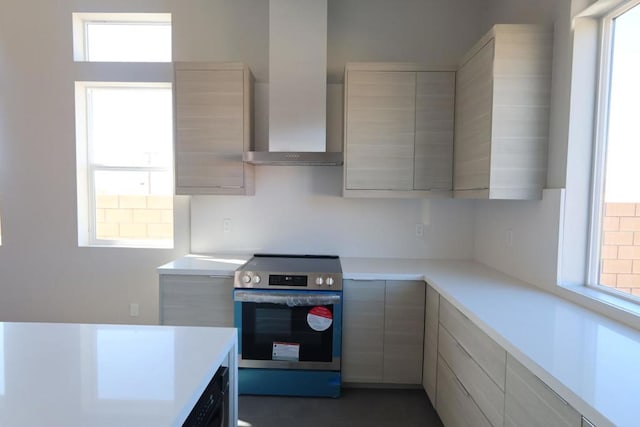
pixel 398 130
pixel 433 161
pixel 213 116
pixel 502 114
pixel 380 130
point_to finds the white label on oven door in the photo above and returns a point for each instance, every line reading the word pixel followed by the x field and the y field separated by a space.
pixel 286 351
pixel 320 318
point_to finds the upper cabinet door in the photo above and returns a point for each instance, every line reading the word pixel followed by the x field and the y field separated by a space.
pixel 502 114
pixel 380 129
pixel 212 115
pixel 474 99
pixel 433 162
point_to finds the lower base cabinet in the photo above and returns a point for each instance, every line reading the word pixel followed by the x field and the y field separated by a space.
pixel 383 331
pixel 187 300
pixel 430 363
pixel 530 402
pixel 454 404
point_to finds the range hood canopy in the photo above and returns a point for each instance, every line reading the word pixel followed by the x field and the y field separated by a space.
pixel 293 158
pixel 297 86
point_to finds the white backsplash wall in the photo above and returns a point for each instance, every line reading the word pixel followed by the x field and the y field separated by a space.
pixel 520 238
pixel 299 209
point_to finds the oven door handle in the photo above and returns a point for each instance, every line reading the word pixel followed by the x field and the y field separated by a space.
pixel 289 299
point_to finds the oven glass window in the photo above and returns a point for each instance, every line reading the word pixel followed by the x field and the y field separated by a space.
pixel 270 321
pixel 266 324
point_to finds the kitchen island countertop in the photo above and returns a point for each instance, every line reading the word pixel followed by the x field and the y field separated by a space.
pixel 77 375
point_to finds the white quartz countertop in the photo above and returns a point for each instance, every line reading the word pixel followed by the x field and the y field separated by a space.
pixel 105 375
pixel 209 265
pixel 592 361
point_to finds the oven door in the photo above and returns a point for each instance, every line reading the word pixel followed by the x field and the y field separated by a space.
pixel 289 329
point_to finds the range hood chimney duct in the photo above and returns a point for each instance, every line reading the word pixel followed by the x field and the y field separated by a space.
pixel 297 86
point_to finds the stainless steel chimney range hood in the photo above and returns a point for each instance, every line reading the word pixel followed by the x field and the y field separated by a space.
pixel 291 158
pixel 297 86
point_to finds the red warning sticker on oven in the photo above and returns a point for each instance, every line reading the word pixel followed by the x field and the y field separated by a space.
pixel 320 318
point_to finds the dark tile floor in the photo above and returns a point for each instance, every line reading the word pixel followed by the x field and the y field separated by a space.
pixel 355 408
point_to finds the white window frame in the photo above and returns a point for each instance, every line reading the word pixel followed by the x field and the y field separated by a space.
pixel 82 20
pixel 117 74
pixel 87 230
pixel 605 59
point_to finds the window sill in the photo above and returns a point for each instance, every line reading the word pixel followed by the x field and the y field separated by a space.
pixel 130 245
pixel 617 307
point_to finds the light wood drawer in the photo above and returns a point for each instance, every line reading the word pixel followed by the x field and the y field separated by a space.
pixel 486 393
pixel 530 402
pixel 196 301
pixel 486 352
pixel 453 403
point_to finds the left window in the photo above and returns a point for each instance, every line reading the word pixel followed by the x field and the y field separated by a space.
pixel 124 136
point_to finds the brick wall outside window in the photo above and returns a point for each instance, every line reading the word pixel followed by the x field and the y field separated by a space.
pixel 620 255
pixel 134 217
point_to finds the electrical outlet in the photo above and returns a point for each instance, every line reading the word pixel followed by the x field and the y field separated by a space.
pixel 134 309
pixel 226 225
pixel 419 230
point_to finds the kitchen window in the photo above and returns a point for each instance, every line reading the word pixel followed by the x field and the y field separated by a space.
pixel 122 37
pixel 615 224
pixel 124 130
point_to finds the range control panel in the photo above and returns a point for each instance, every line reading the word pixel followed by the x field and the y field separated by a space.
pixel 314 281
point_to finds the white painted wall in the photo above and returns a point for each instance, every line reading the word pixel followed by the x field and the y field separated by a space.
pixel 44 276
pixel 300 209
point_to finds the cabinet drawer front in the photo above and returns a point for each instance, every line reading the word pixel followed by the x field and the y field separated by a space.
pixel 486 352
pixel 453 403
pixel 486 393
pixel 530 402
pixel 196 301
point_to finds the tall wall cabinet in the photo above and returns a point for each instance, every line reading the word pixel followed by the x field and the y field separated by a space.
pixel 502 114
pixel 398 130
pixel 213 127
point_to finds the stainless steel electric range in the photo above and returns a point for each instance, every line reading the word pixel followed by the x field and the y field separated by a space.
pixel 288 311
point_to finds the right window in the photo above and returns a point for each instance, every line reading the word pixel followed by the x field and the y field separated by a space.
pixel 615 261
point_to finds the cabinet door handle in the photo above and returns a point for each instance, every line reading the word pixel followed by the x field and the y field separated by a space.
pixel 464 389
pixel 463 350
pixel 555 393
